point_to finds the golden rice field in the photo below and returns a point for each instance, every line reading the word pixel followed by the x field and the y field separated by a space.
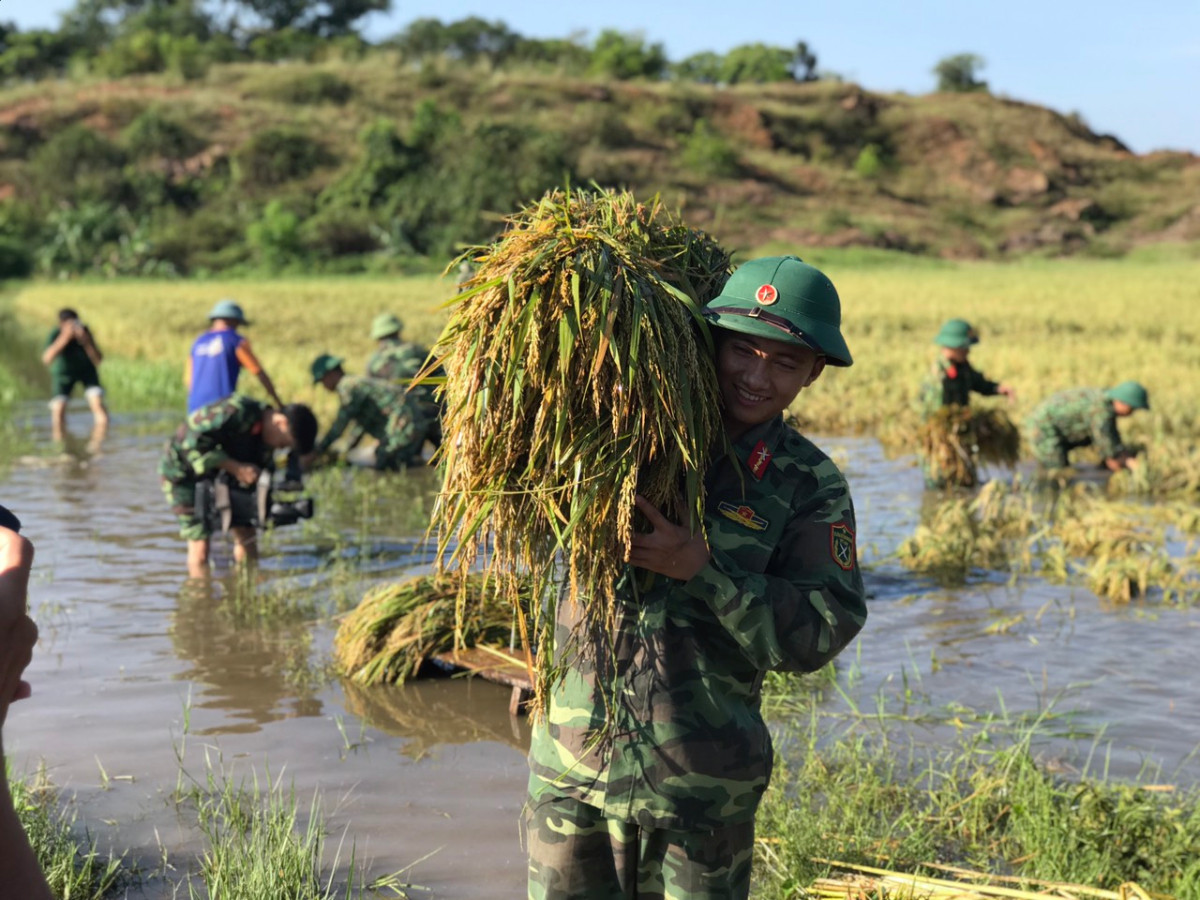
pixel 1045 325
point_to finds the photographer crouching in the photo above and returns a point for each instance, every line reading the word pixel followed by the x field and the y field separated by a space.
pixel 216 472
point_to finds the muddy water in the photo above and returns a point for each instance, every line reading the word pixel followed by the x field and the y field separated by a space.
pixel 138 670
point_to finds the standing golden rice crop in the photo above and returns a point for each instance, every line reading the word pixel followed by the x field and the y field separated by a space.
pixel 955 439
pixel 579 373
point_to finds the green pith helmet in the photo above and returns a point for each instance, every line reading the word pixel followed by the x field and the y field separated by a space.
pixel 785 299
pixel 323 365
pixel 228 309
pixel 956 334
pixel 385 325
pixel 1130 392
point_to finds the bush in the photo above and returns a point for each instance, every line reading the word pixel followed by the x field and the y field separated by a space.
pixel 870 162
pixel 80 166
pixel 275 238
pixel 155 134
pixel 285 43
pixel 340 232
pixel 276 156
pixel 706 152
pixel 16 260
pixel 307 89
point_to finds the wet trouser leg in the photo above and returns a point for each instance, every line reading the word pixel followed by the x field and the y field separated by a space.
pixel 576 853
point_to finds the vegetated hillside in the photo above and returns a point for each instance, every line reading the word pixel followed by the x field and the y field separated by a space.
pixel 369 165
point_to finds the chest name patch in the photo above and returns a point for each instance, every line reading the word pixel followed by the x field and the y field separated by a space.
pixel 841 545
pixel 743 515
pixel 759 459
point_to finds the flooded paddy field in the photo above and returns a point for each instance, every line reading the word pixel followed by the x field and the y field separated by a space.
pixel 142 679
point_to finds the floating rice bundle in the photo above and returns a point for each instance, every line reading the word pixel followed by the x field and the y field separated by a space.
pixel 955 439
pixel 579 372
pixel 883 884
pixel 398 626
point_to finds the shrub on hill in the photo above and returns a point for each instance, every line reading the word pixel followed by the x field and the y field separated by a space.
pixel 277 156
pixel 156 133
pixel 16 260
pixel 306 88
pixel 78 165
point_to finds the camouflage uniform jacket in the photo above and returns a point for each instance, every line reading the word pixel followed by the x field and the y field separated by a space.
pixel 395 360
pixel 373 406
pixel 686 747
pixel 951 384
pixel 228 429
pixel 1078 417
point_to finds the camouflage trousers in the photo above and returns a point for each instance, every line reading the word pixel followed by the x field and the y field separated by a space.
pixel 575 853
pixel 181 497
pixel 401 444
pixel 1049 448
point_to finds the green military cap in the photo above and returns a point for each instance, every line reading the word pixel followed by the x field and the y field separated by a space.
pixel 228 309
pixel 785 299
pixel 323 365
pixel 1130 392
pixel 956 334
pixel 385 324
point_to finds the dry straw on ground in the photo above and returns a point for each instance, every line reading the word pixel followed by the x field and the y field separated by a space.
pixel 870 883
pixel 579 373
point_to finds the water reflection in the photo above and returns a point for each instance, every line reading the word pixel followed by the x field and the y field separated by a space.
pixel 255 672
pixel 439 711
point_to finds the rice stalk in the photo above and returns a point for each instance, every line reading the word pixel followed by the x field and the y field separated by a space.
pixel 863 882
pixel 956 439
pixel 398 626
pixel 579 373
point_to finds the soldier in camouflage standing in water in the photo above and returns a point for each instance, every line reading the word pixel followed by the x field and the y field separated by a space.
pixel 953 380
pixel 375 407
pixel 399 361
pixel 237 435
pixel 649 764
pixel 1085 417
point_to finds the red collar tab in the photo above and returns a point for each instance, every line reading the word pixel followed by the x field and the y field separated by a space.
pixel 256 428
pixel 759 459
pixel 952 370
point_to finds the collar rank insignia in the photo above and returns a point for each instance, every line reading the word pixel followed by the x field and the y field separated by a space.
pixel 759 459
pixel 743 515
pixel 841 545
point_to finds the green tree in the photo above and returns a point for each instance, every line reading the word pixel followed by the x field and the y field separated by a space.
pixel 327 17
pixel 804 63
pixel 703 67
pixel 623 56
pixel 32 54
pixel 957 74
pixel 467 39
pixel 757 64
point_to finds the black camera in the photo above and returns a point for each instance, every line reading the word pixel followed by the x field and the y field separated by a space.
pixel 224 502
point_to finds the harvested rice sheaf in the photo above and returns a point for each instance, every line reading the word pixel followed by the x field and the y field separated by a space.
pixel 955 439
pixel 579 373
pixel 398 626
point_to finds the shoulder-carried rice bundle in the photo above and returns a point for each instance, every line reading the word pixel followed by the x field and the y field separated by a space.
pixel 579 372
pixel 955 439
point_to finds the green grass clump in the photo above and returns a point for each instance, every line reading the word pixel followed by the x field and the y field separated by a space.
pixel 74 868
pixel 985 801
pixel 579 374
pixel 262 844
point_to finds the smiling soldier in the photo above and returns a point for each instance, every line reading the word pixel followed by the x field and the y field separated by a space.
pixel 648 768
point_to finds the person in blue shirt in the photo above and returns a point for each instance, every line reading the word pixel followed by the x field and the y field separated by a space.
pixel 218 357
